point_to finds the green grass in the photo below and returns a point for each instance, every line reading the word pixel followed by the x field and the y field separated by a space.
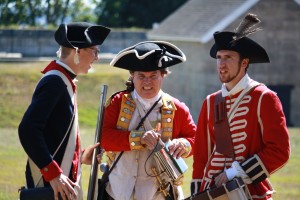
pixel 286 181
pixel 17 82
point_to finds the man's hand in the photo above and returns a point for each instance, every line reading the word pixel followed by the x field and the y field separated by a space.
pixel 63 185
pixel 176 148
pixel 150 139
pixel 220 179
pixel 87 156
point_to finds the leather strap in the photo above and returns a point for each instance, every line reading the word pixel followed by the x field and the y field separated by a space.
pixel 105 175
pixel 221 122
pixel 221 127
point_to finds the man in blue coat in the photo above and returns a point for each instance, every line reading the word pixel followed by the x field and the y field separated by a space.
pixel 49 130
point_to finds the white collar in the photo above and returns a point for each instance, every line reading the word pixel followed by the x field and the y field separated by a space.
pixel 65 66
pixel 242 84
pixel 147 103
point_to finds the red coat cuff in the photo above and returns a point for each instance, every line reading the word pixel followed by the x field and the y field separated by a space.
pixel 51 171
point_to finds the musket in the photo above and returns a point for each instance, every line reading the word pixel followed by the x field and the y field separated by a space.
pixel 98 134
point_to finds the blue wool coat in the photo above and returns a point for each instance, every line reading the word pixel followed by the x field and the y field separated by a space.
pixel 45 123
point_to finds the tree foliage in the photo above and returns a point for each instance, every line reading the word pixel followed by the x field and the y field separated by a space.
pixel 135 13
pixel 112 13
pixel 43 12
pixel 11 12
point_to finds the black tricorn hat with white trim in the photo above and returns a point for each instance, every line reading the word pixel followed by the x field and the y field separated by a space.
pixel 80 35
pixel 148 56
pixel 239 42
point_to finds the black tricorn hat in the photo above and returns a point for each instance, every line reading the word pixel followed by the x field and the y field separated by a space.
pixel 148 56
pixel 80 35
pixel 239 42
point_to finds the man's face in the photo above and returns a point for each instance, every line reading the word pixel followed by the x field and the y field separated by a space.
pixel 230 67
pixel 87 57
pixel 148 84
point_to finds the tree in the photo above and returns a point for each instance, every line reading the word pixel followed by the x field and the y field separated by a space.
pixel 84 11
pixel 135 13
pixel 111 13
pixel 44 12
pixel 12 12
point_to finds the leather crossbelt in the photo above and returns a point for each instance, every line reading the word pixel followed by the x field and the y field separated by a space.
pixel 221 127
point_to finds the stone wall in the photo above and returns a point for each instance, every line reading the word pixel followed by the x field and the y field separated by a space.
pixel 41 43
pixel 281 37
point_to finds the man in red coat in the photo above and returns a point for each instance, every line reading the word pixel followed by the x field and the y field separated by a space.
pixel 258 143
pixel 169 120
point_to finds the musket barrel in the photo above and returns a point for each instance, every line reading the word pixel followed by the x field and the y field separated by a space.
pixel 98 134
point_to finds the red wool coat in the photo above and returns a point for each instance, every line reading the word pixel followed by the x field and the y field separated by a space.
pixel 259 135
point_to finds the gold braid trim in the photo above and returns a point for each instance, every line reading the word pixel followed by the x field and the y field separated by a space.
pixel 126 112
pixel 135 140
pixel 127 108
pixel 167 117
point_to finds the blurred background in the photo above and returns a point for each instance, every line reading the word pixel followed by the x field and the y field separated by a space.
pixel 27 28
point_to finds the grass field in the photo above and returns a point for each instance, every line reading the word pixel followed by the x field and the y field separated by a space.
pixel 286 181
pixel 17 81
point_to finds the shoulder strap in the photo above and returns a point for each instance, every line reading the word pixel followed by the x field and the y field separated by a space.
pixel 221 127
pixel 36 174
pixel 221 120
pixel 70 148
pixel 146 115
pixel 105 176
pixel 64 78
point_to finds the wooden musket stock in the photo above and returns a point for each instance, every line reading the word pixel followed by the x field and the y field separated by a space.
pixel 98 134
